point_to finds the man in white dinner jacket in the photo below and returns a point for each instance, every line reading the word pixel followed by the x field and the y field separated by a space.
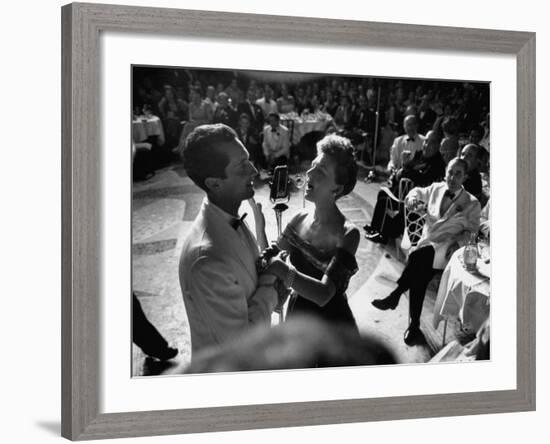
pixel 410 143
pixel 222 291
pixel 452 215
pixel 276 144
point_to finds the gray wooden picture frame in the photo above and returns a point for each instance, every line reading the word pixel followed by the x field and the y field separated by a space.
pixel 81 171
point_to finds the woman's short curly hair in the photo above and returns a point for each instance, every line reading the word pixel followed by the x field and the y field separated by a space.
pixel 342 152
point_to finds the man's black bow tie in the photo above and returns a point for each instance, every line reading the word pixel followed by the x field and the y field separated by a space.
pixel 237 222
pixel 410 139
pixel 449 194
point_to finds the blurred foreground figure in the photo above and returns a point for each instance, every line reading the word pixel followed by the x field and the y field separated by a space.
pixel 301 342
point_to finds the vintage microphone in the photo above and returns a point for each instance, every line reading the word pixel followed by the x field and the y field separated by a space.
pixel 279 195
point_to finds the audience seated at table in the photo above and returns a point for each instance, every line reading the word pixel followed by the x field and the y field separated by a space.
pixel 376 106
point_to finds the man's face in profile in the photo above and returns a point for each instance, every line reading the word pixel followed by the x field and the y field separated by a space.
pixel 239 173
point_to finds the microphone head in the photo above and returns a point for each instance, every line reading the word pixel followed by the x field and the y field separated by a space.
pixel 279 186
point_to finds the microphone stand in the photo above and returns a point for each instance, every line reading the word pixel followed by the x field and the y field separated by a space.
pixel 279 208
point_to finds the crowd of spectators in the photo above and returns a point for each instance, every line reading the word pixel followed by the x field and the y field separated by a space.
pixel 369 111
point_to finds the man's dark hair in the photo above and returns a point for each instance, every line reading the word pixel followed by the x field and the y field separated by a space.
pixel 276 115
pixel 201 155
pixel 341 151
pixel 450 125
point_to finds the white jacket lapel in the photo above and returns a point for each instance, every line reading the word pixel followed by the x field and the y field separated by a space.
pixel 231 244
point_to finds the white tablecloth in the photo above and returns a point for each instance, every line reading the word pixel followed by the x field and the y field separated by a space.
pixel 306 124
pixel 144 127
pixel 463 295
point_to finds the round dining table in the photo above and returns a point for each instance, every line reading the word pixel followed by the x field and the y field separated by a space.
pixel 305 123
pixel 464 295
pixel 144 127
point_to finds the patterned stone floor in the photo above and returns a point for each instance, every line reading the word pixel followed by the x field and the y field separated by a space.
pixel 165 205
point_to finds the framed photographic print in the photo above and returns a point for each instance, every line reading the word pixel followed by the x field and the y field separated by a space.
pixel 309 110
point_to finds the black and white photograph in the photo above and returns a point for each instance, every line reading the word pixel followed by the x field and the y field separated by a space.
pixel 286 220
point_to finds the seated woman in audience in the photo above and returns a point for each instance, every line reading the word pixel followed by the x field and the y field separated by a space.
pixel 285 103
pixel 452 214
pixel 449 145
pixel 331 105
pixel 172 112
pixel 321 242
pixel 250 138
pixel 200 113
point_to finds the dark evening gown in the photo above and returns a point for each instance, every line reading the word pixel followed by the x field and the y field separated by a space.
pixel 339 265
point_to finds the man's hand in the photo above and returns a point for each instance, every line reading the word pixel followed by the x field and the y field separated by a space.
pixel 266 280
pixel 259 217
pixel 413 204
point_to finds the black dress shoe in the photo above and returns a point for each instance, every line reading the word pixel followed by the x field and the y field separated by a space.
pixel 369 230
pixel 162 354
pixel 388 303
pixel 377 238
pixel 414 336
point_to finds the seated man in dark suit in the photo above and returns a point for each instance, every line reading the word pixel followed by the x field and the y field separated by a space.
pixel 252 110
pixel 425 167
pixel 250 138
pixel 225 113
pixel 473 155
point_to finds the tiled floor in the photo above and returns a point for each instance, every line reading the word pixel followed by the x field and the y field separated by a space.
pixel 165 205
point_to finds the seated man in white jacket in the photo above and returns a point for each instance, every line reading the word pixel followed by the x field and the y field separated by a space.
pixel 452 214
pixel 276 144
pixel 222 291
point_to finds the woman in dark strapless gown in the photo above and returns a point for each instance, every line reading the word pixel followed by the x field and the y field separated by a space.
pixel 316 252
pixel 338 265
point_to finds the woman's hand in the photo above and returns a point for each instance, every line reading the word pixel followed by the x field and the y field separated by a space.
pixel 277 265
